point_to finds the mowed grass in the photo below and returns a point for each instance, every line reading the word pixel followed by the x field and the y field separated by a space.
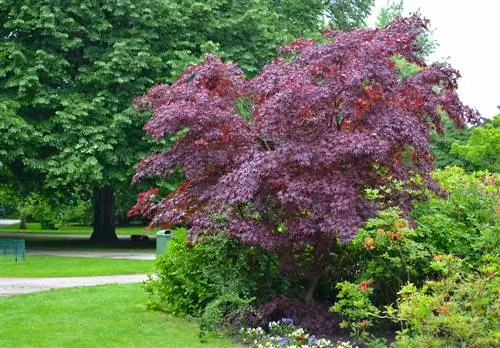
pixel 62 266
pixel 100 316
pixel 34 227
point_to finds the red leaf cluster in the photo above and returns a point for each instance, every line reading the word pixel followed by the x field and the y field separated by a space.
pixel 323 124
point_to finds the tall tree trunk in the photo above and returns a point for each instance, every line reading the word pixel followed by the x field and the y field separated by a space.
pixel 24 222
pixel 104 215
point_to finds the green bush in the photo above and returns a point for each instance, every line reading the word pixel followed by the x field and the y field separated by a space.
pixel 459 310
pixel 52 214
pixel 190 277
pixel 465 223
pixel 440 302
pixel 225 314
pixel 354 304
pixel 386 253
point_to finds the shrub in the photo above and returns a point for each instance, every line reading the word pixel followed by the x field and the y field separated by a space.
pixel 354 303
pixel 466 222
pixel 51 213
pixel 388 253
pixel 225 314
pixel 319 125
pixel 459 310
pixel 191 277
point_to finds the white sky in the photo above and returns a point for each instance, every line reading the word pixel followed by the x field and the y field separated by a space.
pixel 468 33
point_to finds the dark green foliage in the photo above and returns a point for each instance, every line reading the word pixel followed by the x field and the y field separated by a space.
pixel 69 71
pixel 51 215
pixel 190 277
pixel 225 314
pixel 441 145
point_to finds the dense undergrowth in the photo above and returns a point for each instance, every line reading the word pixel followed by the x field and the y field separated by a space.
pixel 425 280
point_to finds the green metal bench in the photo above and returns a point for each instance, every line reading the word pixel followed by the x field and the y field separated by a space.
pixel 16 247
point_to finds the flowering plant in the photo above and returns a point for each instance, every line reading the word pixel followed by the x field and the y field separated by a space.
pixel 283 333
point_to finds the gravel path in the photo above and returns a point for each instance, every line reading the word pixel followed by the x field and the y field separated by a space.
pixel 15 286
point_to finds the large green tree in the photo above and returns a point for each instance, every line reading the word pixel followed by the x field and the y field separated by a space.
pixel 70 69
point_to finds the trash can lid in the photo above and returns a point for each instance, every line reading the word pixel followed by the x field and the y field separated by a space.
pixel 163 232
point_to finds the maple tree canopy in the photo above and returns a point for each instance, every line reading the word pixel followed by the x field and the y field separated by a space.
pixel 284 159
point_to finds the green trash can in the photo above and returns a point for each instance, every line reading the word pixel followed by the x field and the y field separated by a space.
pixel 162 239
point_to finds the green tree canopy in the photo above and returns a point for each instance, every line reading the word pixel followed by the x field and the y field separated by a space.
pixel 348 14
pixel 441 145
pixel 70 70
pixel 482 149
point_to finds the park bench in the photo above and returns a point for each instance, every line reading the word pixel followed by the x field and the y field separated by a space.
pixel 16 247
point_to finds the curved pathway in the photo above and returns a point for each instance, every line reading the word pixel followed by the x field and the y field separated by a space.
pixel 15 286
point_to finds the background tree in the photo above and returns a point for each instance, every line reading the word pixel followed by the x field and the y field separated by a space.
pixel 393 10
pixel 70 70
pixel 482 149
pixel 441 145
pixel 348 14
pixel 284 160
pixel 390 12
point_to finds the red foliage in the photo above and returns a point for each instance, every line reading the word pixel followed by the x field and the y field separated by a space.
pixel 323 123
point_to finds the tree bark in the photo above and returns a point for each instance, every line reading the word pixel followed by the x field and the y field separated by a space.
pixel 309 297
pixel 104 215
pixel 24 222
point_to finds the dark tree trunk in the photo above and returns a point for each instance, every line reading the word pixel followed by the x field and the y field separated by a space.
pixel 104 215
pixel 309 297
pixel 24 222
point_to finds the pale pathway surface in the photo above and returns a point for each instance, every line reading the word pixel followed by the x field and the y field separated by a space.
pixel 15 286
pixel 7 222
pixel 96 253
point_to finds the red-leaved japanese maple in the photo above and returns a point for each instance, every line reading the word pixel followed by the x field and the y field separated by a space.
pixel 323 122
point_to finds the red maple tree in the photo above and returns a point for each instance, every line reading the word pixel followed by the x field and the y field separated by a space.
pixel 322 123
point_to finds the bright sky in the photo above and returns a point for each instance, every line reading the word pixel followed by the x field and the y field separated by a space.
pixel 468 33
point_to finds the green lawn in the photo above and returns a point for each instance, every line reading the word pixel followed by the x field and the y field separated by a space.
pixel 34 227
pixel 100 316
pixel 61 266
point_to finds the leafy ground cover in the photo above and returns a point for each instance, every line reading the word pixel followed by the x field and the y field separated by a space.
pixel 61 266
pixel 112 315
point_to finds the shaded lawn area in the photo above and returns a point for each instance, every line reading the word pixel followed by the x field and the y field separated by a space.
pixel 62 266
pixel 78 238
pixel 34 227
pixel 99 316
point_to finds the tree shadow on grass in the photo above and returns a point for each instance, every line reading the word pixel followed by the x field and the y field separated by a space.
pixel 49 242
